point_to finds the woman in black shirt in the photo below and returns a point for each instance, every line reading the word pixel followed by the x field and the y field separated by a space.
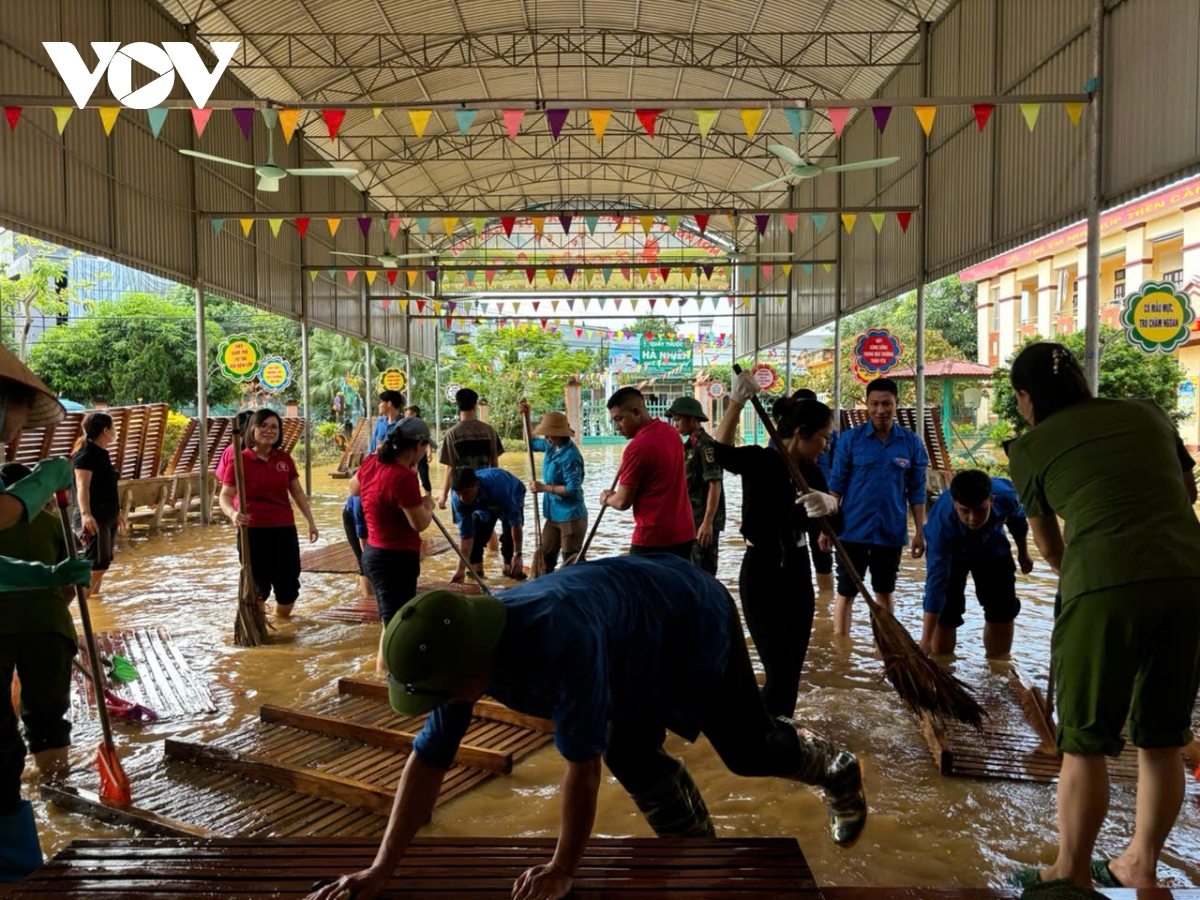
pixel 775 581
pixel 97 517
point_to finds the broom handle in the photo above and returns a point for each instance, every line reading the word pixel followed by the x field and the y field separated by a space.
pixel 466 562
pixel 88 635
pixel 794 471
pixel 600 515
pixel 240 477
pixel 537 516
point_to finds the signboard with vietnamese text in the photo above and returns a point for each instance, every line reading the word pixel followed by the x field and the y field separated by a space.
pixel 1157 317
pixel 392 379
pixel 275 374
pixel 662 355
pixel 877 352
pixel 240 357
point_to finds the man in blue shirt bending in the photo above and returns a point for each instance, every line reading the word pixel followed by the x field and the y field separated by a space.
pixel 965 535
pixel 615 652
pixel 878 472
pixel 483 497
pixel 391 411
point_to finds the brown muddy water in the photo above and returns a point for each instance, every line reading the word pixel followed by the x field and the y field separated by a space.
pixel 925 829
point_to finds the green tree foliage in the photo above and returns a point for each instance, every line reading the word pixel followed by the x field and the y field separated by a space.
pixel 277 335
pixel 659 326
pixel 1126 373
pixel 43 289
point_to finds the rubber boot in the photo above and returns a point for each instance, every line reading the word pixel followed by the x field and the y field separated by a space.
pixel 839 774
pixel 674 807
pixel 20 852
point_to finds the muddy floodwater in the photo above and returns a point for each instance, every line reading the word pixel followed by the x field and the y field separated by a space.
pixel 925 829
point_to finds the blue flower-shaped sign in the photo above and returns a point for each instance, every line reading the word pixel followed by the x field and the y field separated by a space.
pixel 275 374
pixel 878 351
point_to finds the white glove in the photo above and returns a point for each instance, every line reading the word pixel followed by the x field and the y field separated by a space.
pixel 817 504
pixel 745 389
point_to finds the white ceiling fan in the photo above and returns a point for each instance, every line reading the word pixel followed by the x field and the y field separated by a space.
pixel 270 175
pixel 387 259
pixel 802 168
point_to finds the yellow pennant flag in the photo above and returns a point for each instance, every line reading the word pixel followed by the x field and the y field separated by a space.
pixel 599 119
pixel 480 223
pixel 449 223
pixel 539 225
pixel 247 224
pixel 333 226
pixel 751 119
pixel 108 118
pixel 925 115
pixel 647 223
pixel 746 302
pixel 848 220
pixel 645 275
pixel 554 305
pixel 61 114
pixel 787 269
pixel 551 274
pixel 371 273
pixel 412 276
pixel 1074 110
pixel 877 221
pixel 288 118
pixel 1030 111
pixel 828 267
pixel 673 223
pixel 312 274
pixel 376 111
pixel 404 304
pixel 419 119
pixel 705 119
pixel 275 224
pixel 687 272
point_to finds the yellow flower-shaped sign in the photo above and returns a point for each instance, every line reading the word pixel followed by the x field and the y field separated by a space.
pixel 392 380
pixel 240 357
pixel 1157 317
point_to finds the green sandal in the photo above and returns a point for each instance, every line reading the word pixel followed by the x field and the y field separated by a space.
pixel 1102 874
pixel 1025 878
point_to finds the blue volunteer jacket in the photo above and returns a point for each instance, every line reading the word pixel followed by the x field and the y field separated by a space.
pixel 561 465
pixel 877 481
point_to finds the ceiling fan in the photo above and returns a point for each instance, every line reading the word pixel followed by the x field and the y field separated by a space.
pixel 269 175
pixel 801 168
pixel 387 259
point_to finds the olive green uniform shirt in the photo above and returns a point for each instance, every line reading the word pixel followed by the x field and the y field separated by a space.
pixel 36 610
pixel 1109 470
pixel 701 469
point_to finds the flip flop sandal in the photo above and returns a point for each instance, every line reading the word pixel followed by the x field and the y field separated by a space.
pixel 1102 874
pixel 1025 878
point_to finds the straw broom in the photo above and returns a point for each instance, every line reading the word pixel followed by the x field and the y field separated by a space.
pixel 250 628
pixel 536 567
pixel 920 682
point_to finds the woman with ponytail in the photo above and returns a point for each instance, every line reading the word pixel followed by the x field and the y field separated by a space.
pixel 1126 644
pixel 97 517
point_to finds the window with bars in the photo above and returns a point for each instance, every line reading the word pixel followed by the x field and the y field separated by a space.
pixel 1175 277
pixel 1118 291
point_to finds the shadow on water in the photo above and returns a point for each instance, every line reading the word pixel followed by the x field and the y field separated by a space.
pixel 925 829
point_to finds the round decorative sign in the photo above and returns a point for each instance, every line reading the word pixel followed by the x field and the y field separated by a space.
pixel 877 351
pixel 861 374
pixel 392 380
pixel 716 389
pixel 275 374
pixel 1157 317
pixel 764 376
pixel 452 390
pixel 240 357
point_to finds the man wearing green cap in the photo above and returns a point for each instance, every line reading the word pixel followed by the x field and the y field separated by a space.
pixel 615 652
pixel 704 476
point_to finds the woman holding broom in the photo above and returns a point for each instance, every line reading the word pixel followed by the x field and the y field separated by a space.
pixel 561 487
pixel 272 482
pixel 1126 644
pixel 775 580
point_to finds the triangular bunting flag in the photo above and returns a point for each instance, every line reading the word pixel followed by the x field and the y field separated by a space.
pixel 423 225
pixel 751 119
pixel 302 225
pixel 393 225
pixel 688 271
pixel 275 224
pixel 371 273
pixel 903 218
pixel 569 273
pixel 411 275
pixel 245 120
pixel 644 274
pixel 551 274
pixel 13 114
pixel 599 119
pixel 333 121
pixel 837 118
pixel 509 222
pixel 288 118
pixel 470 273
pixel 798 120
pixel 647 223
pixel 1031 111
pixel 555 118
pixel 391 277
pixel 364 225
pixel 419 119
pixel 404 305
pixel 312 275
pixel 787 269
pixel 766 272
pixel 807 267
pixel 156 116
pixel 554 305
pixel 539 225
pixel 673 223
pixel 828 267
pixel 200 119
pixel 466 118
pixel 246 224
pixel 705 119
pixel 708 271
pixel 431 274
pixel 983 112
pixel 592 223
pixel 877 221
pixel 925 115
pixel 1074 111
pixel 480 223
pixel 512 121
pixel 530 274
pixel 881 114
pixel 333 226
pixel 702 222
pixel 350 274
pixel 790 220
pixel 108 118
pixel 449 223
pixel 565 223
pixel 62 114
pixel 648 117
pixel 819 221
pixel 664 273
pixel 606 273
pixel 489 275
pixel 217 225
pixel 376 112
pixel 848 220
pixel 761 221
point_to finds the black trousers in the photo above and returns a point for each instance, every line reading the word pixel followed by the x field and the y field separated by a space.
pixel 275 562
pixel 484 527
pixel 351 528
pixel 749 740
pixel 683 551
pixel 778 603
pixel 393 575
pixel 423 472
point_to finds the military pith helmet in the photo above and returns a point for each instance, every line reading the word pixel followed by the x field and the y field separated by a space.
pixel 687 406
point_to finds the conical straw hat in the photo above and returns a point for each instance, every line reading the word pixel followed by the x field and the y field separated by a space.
pixel 554 424
pixel 45 408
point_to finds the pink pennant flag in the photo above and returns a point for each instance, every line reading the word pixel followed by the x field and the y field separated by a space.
pixel 512 121
pixel 790 220
pixel 837 118
pixel 350 273
pixel 200 119
pixel 393 225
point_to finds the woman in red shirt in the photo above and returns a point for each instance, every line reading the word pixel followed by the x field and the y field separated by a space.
pixel 396 515
pixel 271 479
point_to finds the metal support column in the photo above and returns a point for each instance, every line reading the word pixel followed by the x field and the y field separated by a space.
pixel 787 381
pixel 202 403
pixel 368 391
pixel 838 286
pixel 1091 361
pixel 304 387
pixel 922 231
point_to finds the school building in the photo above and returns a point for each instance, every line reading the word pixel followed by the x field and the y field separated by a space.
pixel 1038 289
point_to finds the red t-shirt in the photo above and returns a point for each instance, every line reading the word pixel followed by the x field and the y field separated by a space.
pixel 387 490
pixel 653 466
pixel 225 464
pixel 268 503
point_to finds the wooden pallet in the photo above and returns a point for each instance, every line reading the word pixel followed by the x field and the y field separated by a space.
pixel 326 770
pixel 470 868
pixel 356 449
pixel 339 559
pixel 136 449
pixel 366 610
pixel 165 683
pixel 186 458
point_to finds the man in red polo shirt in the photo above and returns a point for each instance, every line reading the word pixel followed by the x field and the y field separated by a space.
pixel 652 479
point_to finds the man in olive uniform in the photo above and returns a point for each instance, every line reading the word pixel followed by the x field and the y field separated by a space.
pixel 705 490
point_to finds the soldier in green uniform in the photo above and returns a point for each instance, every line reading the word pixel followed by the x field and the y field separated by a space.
pixel 705 490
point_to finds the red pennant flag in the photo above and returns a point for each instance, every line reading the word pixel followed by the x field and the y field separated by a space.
pixel 702 222
pixel 13 114
pixel 509 222
pixel 489 275
pixel 983 112
pixel 664 272
pixel 420 306
pixel 302 225
pixel 544 321
pixel 391 277
pixel 653 300
pixel 200 119
pixel 578 332
pixel 531 274
pixel 537 304
pixel 333 121
pixel 648 117
pixel 904 218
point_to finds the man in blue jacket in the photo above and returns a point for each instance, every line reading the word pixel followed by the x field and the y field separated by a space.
pixel 965 536
pixel 391 411
pixel 483 497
